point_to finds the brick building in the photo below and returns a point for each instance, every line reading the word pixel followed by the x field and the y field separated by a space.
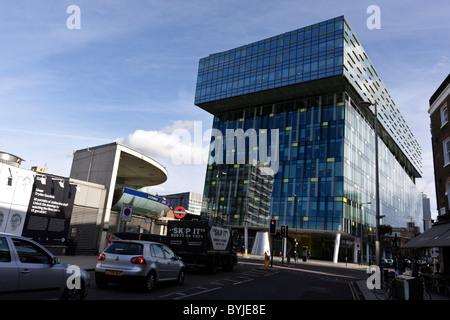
pixel 440 136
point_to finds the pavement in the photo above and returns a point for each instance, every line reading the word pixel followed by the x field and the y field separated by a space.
pixel 88 263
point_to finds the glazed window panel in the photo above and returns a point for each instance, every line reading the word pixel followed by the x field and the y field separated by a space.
pixel 444 115
pixel 446 148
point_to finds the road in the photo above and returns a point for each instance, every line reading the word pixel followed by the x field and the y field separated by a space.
pixel 249 280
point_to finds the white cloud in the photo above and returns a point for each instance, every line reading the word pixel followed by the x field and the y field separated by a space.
pixel 183 142
pixel 152 143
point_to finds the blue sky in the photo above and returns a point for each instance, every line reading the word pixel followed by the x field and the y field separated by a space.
pixel 129 72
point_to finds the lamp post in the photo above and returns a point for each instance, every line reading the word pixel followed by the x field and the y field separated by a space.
pixel 362 221
pixel 367 104
pixel 295 214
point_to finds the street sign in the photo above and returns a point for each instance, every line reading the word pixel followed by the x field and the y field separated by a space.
pixel 126 212
pixel 179 212
pixel 434 252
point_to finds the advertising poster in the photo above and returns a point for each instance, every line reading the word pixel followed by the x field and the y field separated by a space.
pixel 49 210
pixel 15 189
pixel 189 234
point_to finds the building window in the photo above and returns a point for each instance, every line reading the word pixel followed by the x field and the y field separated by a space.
pixel 444 115
pixel 446 147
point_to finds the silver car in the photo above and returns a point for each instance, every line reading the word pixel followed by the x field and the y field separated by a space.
pixel 29 271
pixel 143 263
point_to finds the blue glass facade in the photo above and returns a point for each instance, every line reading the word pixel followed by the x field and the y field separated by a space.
pixel 306 85
pixel 301 55
pixel 319 51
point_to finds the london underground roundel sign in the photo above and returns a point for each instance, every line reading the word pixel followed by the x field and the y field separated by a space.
pixel 179 212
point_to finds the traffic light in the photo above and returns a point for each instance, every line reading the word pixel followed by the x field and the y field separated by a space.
pixel 284 231
pixel 273 227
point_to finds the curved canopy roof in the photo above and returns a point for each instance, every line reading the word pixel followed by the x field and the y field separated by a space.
pixel 138 170
pixel 120 168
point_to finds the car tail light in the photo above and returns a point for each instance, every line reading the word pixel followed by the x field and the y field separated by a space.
pixel 138 260
pixel 102 257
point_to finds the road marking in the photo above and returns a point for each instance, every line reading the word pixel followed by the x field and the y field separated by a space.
pixel 197 293
pixel 355 292
pixel 242 281
pixel 317 272
pixel 223 282
pixel 244 277
pixel 184 292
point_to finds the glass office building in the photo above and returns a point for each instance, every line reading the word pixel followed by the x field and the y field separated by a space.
pixel 296 95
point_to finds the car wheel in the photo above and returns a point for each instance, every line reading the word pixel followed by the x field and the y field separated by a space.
pixel 181 276
pixel 149 282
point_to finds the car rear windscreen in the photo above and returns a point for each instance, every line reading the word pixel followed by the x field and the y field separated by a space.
pixel 125 248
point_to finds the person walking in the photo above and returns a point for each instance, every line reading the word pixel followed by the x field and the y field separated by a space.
pixel 305 254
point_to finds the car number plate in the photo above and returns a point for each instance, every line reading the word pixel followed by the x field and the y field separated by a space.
pixel 114 273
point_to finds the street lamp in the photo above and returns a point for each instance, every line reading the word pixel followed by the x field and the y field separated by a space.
pixel 367 104
pixel 362 221
pixel 295 214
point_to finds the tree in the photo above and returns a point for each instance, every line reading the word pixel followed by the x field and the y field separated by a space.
pixel 384 228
